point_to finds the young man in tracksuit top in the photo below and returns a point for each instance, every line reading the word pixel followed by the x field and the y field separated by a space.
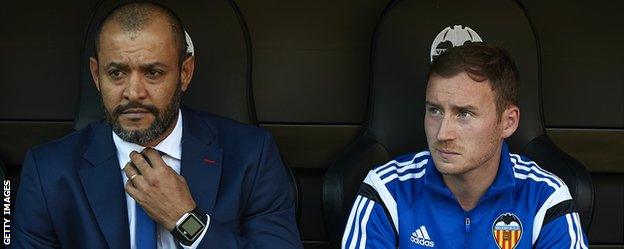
pixel 467 190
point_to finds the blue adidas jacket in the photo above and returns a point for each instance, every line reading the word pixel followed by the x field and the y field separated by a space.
pixel 405 204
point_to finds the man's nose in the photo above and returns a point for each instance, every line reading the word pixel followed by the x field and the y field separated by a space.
pixel 446 130
pixel 135 88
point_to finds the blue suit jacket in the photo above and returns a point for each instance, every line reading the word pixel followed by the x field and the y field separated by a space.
pixel 71 193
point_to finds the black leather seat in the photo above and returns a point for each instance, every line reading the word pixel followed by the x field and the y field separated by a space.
pixel 221 83
pixel 3 172
pixel 401 54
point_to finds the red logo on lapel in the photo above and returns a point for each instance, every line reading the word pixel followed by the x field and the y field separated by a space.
pixel 208 161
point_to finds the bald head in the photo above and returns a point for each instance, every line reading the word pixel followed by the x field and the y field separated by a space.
pixel 132 18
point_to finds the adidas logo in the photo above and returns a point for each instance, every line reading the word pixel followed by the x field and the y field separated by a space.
pixel 421 237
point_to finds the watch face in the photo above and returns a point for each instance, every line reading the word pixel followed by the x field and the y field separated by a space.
pixel 191 227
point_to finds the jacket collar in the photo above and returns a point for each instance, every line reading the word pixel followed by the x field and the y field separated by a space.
pixel 101 176
pixel 102 147
pixel 504 180
pixel 201 158
pixel 198 128
pixel 101 180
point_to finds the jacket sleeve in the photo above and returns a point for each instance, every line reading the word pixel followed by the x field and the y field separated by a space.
pixel 562 232
pixel 33 227
pixel 269 218
pixel 368 226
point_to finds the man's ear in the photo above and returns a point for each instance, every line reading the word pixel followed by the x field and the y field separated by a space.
pixel 510 119
pixel 95 73
pixel 186 73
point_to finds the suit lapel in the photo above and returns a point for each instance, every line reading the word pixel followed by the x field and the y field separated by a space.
pixel 102 182
pixel 201 160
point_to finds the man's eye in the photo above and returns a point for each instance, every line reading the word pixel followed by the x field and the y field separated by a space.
pixel 465 114
pixel 434 111
pixel 153 73
pixel 115 74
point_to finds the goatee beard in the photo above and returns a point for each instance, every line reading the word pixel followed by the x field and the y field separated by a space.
pixel 162 121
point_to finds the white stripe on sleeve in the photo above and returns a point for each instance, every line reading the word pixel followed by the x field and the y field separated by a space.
pixel 356 230
pixel 560 194
pixel 367 213
pixel 349 225
pixel 373 179
pixel 579 229
pixel 571 231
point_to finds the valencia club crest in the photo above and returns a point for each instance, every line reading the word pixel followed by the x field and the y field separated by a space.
pixel 507 231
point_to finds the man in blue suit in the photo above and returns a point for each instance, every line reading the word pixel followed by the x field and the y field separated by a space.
pixel 153 175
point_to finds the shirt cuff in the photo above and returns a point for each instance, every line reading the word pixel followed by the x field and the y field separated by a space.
pixel 201 236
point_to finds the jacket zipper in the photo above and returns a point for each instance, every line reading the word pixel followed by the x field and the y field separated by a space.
pixel 467 230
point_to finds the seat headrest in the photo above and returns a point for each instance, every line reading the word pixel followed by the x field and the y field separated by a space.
pixel 411 33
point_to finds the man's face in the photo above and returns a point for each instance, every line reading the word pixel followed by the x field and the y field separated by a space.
pixel 140 80
pixel 462 127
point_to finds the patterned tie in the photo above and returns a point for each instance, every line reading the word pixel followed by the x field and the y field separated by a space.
pixel 145 229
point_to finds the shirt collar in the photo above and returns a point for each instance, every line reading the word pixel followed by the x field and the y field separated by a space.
pixel 505 177
pixel 504 180
pixel 171 145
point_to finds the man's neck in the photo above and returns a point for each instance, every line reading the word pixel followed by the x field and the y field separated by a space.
pixel 469 187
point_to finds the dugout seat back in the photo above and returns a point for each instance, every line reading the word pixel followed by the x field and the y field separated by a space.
pixel 3 172
pixel 409 35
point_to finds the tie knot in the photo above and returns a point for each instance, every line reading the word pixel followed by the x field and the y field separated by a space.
pixel 147 158
pixel 159 152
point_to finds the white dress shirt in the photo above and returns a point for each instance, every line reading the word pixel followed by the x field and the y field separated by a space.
pixel 172 147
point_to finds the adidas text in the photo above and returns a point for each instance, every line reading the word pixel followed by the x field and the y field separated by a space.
pixel 422 242
pixel 421 237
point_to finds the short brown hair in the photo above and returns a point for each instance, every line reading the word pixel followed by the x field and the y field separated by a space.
pixel 482 62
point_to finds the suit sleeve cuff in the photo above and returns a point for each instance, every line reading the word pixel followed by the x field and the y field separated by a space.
pixel 201 236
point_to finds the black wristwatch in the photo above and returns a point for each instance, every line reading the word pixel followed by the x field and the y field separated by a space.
pixel 192 225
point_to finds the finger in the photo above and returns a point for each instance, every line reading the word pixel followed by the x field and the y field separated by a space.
pixel 153 157
pixel 140 182
pixel 135 192
pixel 134 176
pixel 132 190
pixel 130 170
pixel 141 164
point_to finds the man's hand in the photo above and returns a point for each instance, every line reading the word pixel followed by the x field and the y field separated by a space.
pixel 163 193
